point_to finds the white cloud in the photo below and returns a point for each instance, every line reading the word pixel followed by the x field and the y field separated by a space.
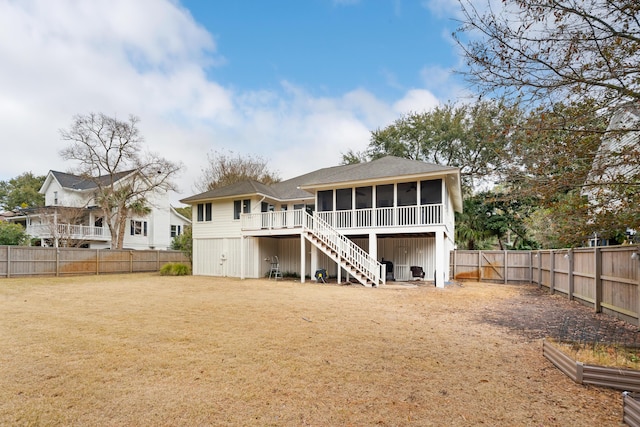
pixel 416 100
pixel 150 58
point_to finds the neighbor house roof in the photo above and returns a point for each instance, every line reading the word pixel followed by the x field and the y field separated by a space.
pixel 76 182
pixel 296 188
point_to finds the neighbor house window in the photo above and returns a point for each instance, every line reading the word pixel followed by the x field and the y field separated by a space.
pixel 241 206
pixel 175 231
pixel 138 228
pixel 204 212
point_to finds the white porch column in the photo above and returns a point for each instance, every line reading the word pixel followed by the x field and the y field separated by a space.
pixel 441 251
pixel 303 259
pixel 373 245
pixel 241 257
pixel 314 261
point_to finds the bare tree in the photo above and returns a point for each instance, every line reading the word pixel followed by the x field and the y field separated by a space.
pixel 110 153
pixel 64 225
pixel 227 168
pixel 554 49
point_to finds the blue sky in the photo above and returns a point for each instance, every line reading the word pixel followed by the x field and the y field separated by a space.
pixel 325 46
pixel 296 82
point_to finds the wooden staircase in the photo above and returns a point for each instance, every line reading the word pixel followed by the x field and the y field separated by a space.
pixel 349 256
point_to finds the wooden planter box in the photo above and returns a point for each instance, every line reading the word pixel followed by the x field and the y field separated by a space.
pixel 617 378
pixel 631 409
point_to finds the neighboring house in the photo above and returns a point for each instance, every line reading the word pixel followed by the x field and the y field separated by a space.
pixel 72 218
pixel 354 221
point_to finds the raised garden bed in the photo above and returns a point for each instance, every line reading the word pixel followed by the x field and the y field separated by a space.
pixel 582 373
pixel 631 408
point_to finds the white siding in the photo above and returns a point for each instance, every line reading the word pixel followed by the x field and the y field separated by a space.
pixel 221 257
pixel 221 225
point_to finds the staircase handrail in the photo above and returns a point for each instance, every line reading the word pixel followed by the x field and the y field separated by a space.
pixel 344 247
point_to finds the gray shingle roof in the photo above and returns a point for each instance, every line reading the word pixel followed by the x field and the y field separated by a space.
pixel 294 188
pixel 241 188
pixel 76 182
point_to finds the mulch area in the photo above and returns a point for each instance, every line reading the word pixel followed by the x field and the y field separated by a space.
pixel 535 313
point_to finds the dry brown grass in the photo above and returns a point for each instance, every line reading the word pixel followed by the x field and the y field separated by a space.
pixel 151 350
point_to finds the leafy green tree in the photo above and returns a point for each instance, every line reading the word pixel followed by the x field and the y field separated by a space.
pixel 471 230
pixel 492 219
pixel 185 211
pixel 22 192
pixel 227 168
pixel 472 137
pixel 106 149
pixel 13 234
pixel 184 243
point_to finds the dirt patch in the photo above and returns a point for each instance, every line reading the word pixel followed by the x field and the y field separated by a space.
pixel 533 314
pixel 149 350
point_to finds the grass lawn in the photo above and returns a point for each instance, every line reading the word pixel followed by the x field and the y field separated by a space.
pixel 154 350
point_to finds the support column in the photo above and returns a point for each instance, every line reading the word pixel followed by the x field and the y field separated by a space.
pixel 440 259
pixel 241 257
pixel 314 261
pixel 373 245
pixel 303 259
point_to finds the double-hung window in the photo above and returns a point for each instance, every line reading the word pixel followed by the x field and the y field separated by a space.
pixel 241 206
pixel 138 228
pixel 204 212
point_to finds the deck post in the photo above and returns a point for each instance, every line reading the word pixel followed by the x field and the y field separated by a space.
pixel 373 245
pixel 314 262
pixel 440 261
pixel 242 241
pixel 303 258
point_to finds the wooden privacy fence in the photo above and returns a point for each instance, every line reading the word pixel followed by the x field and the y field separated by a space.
pixel 20 261
pixel 604 278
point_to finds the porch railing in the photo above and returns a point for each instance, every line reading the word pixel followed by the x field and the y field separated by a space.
pixel 401 216
pixel 69 231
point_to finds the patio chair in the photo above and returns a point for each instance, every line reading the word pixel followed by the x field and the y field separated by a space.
pixel 417 272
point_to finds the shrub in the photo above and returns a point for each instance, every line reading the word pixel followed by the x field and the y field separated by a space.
pixel 175 269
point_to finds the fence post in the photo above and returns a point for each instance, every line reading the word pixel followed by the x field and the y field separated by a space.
pixel 479 266
pixel 570 255
pixel 130 261
pixel 57 262
pixel 455 263
pixel 506 270
pixel 597 303
pixel 530 267
pixel 8 261
pixel 637 284
pixel 539 269
pixel 552 272
pixel 158 260
pixel 97 262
